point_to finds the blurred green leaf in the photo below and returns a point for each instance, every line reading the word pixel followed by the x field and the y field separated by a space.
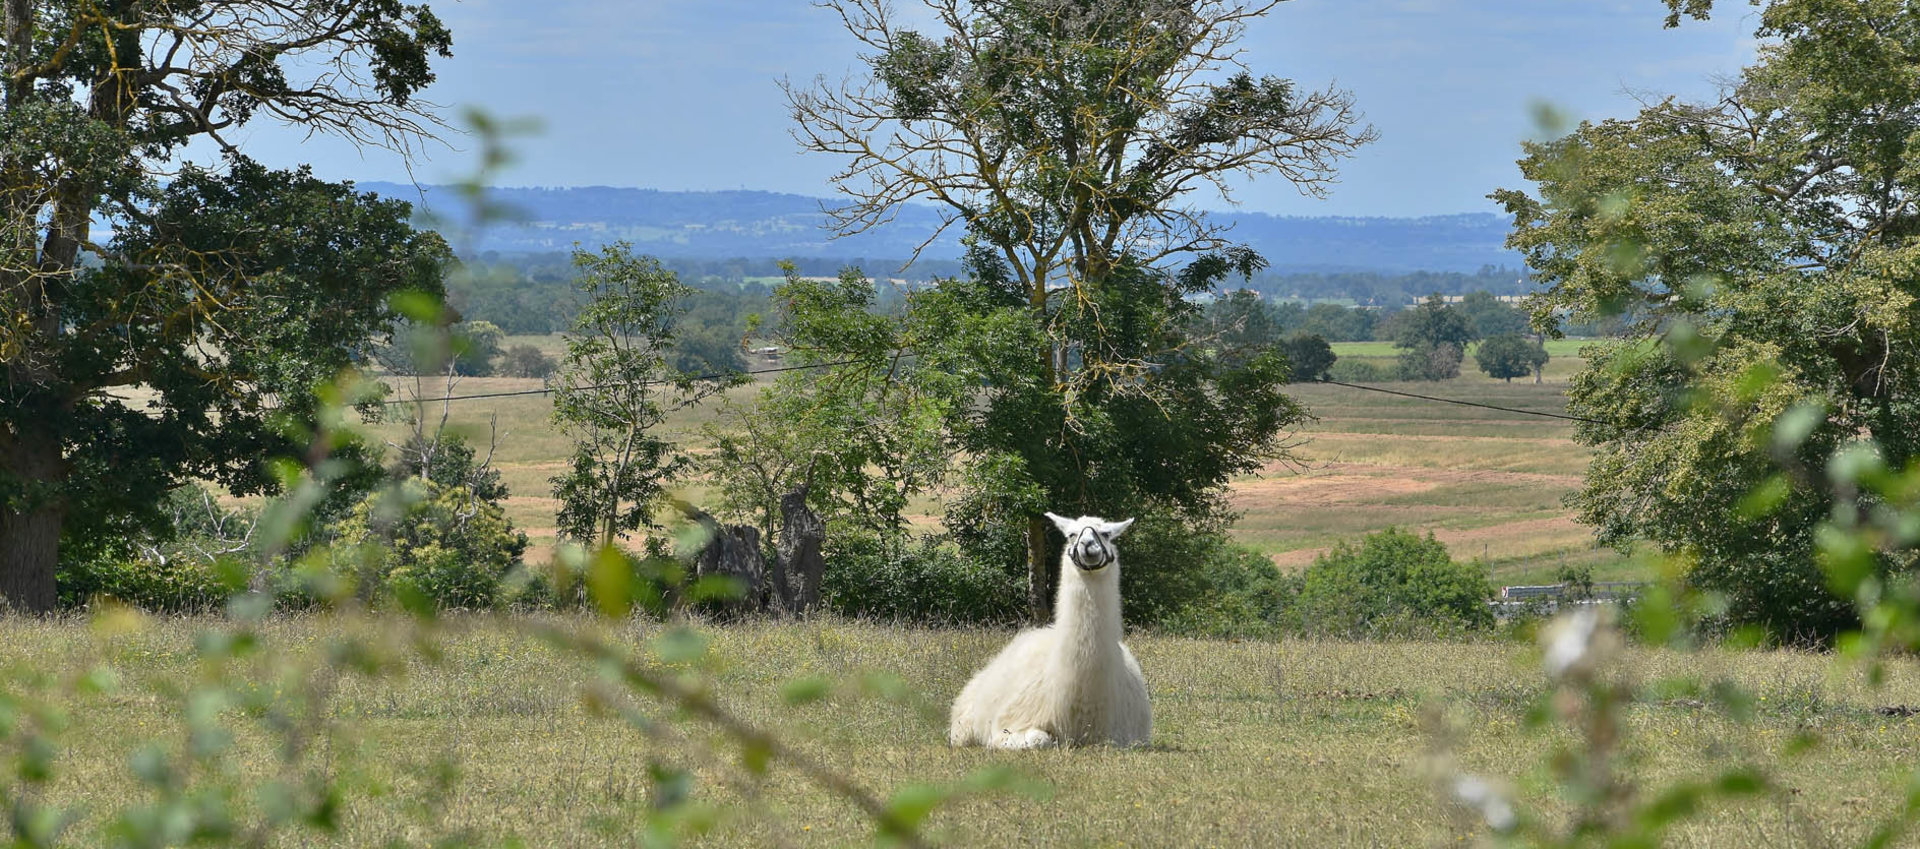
pixel 610 582
pixel 1766 498
pixel 717 588
pixel 99 679
pixel 908 807
pixel 756 757
pixel 418 306
pixel 1793 427
pixel 680 645
pixel 672 787
pixel 37 755
pixel 806 690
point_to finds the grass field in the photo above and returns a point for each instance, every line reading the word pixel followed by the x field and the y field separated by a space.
pixel 1312 744
pixel 1489 484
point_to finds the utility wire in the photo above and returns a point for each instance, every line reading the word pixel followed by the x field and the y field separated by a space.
pixel 549 390
pixel 717 375
pixel 1386 391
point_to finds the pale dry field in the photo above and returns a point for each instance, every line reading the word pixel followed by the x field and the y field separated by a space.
pixel 1488 484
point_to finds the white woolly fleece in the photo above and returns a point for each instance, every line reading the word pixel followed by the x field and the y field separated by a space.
pixel 1072 682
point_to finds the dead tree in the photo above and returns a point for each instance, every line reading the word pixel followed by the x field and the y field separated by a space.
pixel 799 566
pixel 734 551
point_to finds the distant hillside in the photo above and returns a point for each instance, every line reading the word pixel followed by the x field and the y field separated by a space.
pixel 768 224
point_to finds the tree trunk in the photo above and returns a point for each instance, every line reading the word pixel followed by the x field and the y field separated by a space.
pixel 29 554
pixel 30 526
pixel 734 551
pixel 1038 575
pixel 801 565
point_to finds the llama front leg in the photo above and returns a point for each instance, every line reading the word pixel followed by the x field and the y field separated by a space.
pixel 1021 738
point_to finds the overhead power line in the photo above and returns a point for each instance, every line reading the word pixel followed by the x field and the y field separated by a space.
pixel 1386 391
pixel 718 375
pixel 549 390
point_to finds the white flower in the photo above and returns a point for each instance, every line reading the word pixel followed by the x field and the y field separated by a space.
pixel 1569 639
pixel 1479 794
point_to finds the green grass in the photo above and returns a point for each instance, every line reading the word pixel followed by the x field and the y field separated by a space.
pixel 1555 348
pixel 1301 743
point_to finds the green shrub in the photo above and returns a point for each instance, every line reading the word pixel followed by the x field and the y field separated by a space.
pixel 1247 597
pixel 928 581
pixel 181 585
pixel 190 560
pixel 1393 582
pixel 424 544
pixel 1348 370
pixel 1431 362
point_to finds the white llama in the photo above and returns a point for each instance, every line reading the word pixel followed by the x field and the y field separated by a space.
pixel 1072 682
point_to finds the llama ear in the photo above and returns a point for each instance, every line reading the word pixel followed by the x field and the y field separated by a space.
pixel 1063 523
pixel 1114 529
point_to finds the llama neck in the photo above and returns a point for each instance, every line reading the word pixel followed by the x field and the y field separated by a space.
pixel 1087 610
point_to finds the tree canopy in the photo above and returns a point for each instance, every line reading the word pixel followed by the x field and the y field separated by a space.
pixel 183 344
pixel 1765 244
pixel 1066 137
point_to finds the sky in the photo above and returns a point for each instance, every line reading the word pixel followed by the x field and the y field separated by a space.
pixel 683 94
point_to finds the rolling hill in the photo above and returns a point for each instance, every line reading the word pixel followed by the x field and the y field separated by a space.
pixel 768 224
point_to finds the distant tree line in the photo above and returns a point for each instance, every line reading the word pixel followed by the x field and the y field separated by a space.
pixel 1387 288
pixel 528 293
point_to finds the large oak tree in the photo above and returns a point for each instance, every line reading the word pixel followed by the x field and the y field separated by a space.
pixel 161 322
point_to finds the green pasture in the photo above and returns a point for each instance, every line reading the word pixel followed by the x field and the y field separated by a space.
pixel 1300 743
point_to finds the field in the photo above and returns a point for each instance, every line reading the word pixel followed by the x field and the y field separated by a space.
pixel 1297 743
pixel 1489 484
pixel 1256 744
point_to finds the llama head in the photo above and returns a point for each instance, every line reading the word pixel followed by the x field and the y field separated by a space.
pixel 1090 540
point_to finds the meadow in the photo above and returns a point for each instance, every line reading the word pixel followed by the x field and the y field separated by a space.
pixel 485 730
pixel 1489 484
pixel 1299 743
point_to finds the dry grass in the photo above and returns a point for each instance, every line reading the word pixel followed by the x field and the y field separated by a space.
pixel 1490 484
pixel 1256 744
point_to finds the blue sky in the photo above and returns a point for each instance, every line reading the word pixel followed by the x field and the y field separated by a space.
pixel 681 94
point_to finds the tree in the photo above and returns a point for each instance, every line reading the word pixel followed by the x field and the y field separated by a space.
pixel 1489 316
pixel 864 431
pixel 1309 357
pixel 190 298
pixel 1432 323
pixel 527 361
pixel 1508 357
pixel 1339 324
pixel 615 389
pixel 1242 322
pixel 1065 136
pixel 1435 335
pixel 475 345
pixel 1160 446
pixel 1763 243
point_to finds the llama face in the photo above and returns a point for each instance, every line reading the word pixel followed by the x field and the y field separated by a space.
pixel 1090 540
